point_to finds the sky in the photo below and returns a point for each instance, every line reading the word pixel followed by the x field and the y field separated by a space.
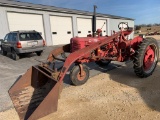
pixel 143 11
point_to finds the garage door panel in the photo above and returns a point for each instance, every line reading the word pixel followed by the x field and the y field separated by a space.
pixel 102 24
pixel 61 28
pixel 20 21
pixel 84 26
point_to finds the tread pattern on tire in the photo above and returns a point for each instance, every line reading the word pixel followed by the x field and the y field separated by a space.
pixel 139 56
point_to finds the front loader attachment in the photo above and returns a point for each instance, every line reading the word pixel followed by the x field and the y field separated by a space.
pixel 35 94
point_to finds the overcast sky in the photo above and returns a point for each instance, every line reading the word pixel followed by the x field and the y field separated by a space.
pixel 143 11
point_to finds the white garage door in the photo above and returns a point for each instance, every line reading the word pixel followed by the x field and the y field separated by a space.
pixel 20 21
pixel 61 28
pixel 102 24
pixel 85 26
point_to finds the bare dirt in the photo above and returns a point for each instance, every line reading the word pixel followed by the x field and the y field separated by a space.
pixel 116 95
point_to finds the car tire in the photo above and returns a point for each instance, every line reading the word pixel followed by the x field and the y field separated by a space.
pixel 3 52
pixel 15 56
pixel 39 53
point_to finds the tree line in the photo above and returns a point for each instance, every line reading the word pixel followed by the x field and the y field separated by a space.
pixel 138 27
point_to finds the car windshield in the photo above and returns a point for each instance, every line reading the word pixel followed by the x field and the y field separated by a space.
pixel 29 36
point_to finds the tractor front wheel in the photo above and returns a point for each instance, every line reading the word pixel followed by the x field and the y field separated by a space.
pixel 146 57
pixel 77 77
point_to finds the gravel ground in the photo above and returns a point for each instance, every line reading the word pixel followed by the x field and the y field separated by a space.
pixel 115 95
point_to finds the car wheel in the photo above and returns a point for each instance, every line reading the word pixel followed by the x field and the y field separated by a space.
pixel 3 52
pixel 39 53
pixel 14 55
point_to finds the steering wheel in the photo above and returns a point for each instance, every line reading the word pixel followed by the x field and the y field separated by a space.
pixel 123 26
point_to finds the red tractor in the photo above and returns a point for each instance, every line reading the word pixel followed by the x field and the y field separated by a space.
pixel 44 81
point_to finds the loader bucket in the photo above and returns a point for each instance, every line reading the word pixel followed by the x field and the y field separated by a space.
pixel 35 94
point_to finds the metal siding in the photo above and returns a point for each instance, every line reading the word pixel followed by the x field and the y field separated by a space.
pixel 84 25
pixel 114 25
pixel 4 29
pixel 47 29
pixel 75 28
pixel 19 21
pixel 61 26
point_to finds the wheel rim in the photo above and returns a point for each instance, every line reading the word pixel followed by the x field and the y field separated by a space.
pixel 150 58
pixel 81 77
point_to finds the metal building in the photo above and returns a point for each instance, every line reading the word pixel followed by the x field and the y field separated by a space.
pixel 57 25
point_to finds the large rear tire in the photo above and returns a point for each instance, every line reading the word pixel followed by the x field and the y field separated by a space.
pixel 75 76
pixel 146 57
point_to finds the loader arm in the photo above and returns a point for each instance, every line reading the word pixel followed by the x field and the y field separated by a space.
pixel 57 51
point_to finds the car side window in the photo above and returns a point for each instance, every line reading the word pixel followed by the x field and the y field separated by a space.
pixel 10 37
pixel 14 37
pixel 6 38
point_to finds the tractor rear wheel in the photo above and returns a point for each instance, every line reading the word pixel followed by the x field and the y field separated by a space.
pixel 76 77
pixel 146 57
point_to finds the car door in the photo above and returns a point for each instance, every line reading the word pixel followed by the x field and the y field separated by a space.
pixel 4 43
pixel 9 42
pixel 13 41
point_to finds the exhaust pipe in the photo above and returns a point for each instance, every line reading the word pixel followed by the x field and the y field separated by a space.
pixel 94 22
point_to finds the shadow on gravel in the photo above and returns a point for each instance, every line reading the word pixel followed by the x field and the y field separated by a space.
pixel 149 88
pixel 94 70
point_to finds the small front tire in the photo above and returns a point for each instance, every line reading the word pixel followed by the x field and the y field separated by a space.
pixel 75 76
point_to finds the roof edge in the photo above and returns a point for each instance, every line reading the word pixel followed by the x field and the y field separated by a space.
pixel 27 5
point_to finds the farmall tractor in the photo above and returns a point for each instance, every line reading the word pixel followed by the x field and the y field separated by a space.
pixel 36 93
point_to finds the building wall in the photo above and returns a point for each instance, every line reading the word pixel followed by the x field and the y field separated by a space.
pixel 112 24
pixel 4 28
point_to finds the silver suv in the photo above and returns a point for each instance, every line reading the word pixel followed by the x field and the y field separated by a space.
pixel 20 42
